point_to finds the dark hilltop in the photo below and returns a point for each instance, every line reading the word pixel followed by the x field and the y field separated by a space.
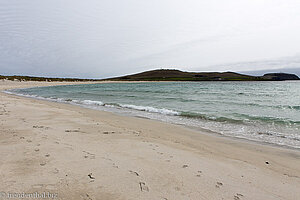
pixel 177 75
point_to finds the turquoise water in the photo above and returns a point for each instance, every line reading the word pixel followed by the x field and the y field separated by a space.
pixel 261 111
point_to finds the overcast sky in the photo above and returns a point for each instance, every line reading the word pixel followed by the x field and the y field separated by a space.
pixel 103 38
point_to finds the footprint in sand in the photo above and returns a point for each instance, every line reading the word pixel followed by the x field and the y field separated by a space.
pixel 115 166
pixel 199 173
pixel 88 155
pixel 219 184
pixel 143 187
pixel 86 197
pixel 133 172
pixel 237 196
pixel 108 132
pixel 90 175
pixel 136 133
pixel 72 131
pixel 36 126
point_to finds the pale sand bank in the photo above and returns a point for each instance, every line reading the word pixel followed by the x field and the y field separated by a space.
pixel 86 154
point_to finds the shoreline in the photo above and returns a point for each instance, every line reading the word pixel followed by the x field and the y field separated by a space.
pixel 198 129
pixel 117 145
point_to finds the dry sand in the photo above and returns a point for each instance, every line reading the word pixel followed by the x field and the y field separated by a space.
pixel 79 153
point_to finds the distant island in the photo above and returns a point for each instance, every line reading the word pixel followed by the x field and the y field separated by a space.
pixel 170 75
pixel 33 78
pixel 177 75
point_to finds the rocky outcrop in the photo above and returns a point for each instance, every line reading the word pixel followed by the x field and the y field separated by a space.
pixel 280 76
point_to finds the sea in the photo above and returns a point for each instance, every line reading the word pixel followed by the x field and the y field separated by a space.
pixel 267 112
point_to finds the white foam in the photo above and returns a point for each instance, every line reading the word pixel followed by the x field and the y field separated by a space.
pixel 109 105
pixel 150 109
pixel 90 102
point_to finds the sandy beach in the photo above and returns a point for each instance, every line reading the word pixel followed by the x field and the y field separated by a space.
pixel 78 153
